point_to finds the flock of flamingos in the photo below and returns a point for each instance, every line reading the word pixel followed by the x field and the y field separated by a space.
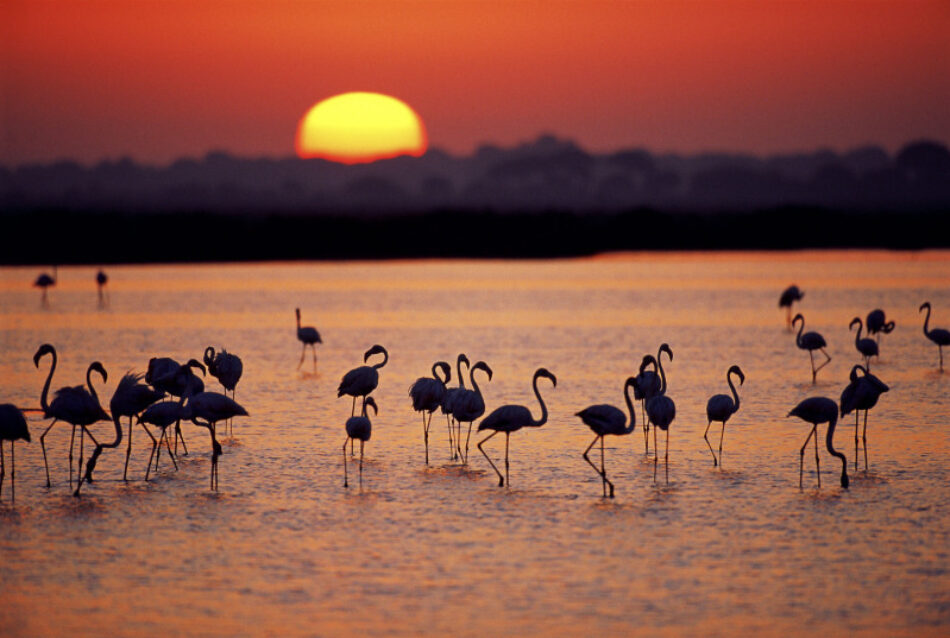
pixel 170 392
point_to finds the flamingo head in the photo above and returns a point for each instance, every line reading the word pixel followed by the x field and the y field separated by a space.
pixel 297 310
pixel 446 370
pixel 377 349
pixel 209 355
pixel 797 318
pixel 738 372
pixel 43 350
pixel 481 365
pixel 547 374
pixel 648 359
pixel 665 348
pixel 194 363
pixel 97 366
pixel 926 305
pixel 370 402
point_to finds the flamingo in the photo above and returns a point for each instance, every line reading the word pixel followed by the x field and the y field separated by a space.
pixel 359 382
pixel 161 415
pixel 101 280
pixel 309 336
pixel 211 407
pixel 448 403
pixel 648 384
pixel 861 394
pixel 12 427
pixel 44 281
pixel 722 406
pixel 817 410
pixel 74 405
pixel 877 324
pixel 130 398
pixel 225 367
pixel 605 419
pixel 358 427
pixel 427 394
pixel 867 347
pixel 939 336
pixel 510 418
pixel 660 411
pixel 468 406
pixel 811 341
pixel 177 380
pixel 789 296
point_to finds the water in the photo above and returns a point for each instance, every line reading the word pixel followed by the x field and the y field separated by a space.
pixel 284 549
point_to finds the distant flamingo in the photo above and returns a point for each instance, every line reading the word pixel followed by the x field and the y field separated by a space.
pixel 129 399
pixel 225 367
pixel 448 403
pixel 789 296
pixel 358 428
pixel 43 282
pixel 510 418
pixel 861 394
pixel 647 386
pixel 867 347
pixel 101 280
pixel 605 419
pixel 309 336
pixel 817 410
pixel 661 411
pixel 468 406
pixel 811 341
pixel 877 324
pixel 722 406
pixel 939 336
pixel 211 407
pixel 427 394
pixel 359 382
pixel 12 427
pixel 75 405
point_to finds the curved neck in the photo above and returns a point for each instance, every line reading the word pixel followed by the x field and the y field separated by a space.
pixel 471 377
pixel 633 415
pixel 92 390
pixel 298 321
pixel 735 393
pixel 833 452
pixel 927 321
pixel 44 403
pixel 385 359
pixel 544 409
pixel 209 355
pixel 659 365
pixel 857 338
pixel 798 337
pixel 435 373
pixel 458 368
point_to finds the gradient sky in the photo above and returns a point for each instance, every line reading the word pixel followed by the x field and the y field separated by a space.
pixel 160 80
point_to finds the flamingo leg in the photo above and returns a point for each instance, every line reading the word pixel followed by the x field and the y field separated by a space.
pixel 827 360
pixel 864 437
pixel 128 453
pixel 353 409
pixel 72 441
pixel 940 351
pixel 801 467
pixel 856 412
pixel 655 457
pixel 151 436
pixel 646 427
pixel 814 373
pixel 82 438
pixel 817 460
pixel 425 434
pixel 507 465
pixel 603 469
pixel 666 458
pixel 361 463
pixel 313 350
pixel 722 435
pixel 448 425
pixel 2 469
pixel 303 353
pixel 158 455
pixel 178 435
pixel 458 439
pixel 43 445
pixel 708 444
pixel 591 463
pixel 12 469
pixel 345 480
pixel 501 479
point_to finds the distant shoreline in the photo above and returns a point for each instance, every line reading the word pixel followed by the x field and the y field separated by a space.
pixel 71 237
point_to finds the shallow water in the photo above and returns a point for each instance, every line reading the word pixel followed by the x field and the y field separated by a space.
pixel 283 549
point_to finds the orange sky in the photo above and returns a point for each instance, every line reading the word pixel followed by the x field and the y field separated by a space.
pixel 158 80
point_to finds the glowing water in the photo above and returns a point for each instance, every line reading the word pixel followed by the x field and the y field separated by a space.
pixel 284 549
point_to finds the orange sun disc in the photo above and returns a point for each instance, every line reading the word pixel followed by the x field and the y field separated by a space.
pixel 360 127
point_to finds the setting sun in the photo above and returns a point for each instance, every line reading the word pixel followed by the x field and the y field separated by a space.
pixel 360 127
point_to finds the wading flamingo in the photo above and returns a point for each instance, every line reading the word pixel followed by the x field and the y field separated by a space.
pixel 605 419
pixel 661 411
pixel 309 336
pixel 789 296
pixel 468 406
pixel 877 324
pixel 427 394
pixel 861 394
pixel 811 341
pixel 816 410
pixel 205 409
pixel 359 382
pixel 867 347
pixel 722 406
pixel 12 427
pixel 358 428
pixel 939 336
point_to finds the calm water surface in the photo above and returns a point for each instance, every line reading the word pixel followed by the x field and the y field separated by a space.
pixel 284 549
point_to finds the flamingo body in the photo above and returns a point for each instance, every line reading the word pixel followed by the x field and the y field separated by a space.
pixel 13 428
pixel 604 419
pixel 877 323
pixel 721 407
pixel 817 410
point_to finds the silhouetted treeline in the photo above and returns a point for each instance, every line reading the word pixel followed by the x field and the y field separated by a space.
pixel 68 237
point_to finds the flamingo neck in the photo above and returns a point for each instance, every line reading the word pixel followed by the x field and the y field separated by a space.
pixel 798 337
pixel 44 403
pixel 927 321
pixel 857 337
pixel 829 436
pixel 458 367
pixel 92 390
pixel 735 393
pixel 385 359
pixel 659 364
pixel 633 414
pixel 471 377
pixel 544 409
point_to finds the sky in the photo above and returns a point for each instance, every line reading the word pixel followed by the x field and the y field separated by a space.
pixel 156 81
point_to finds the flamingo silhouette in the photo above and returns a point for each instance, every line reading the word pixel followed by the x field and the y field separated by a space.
pixel 101 280
pixel 226 368
pixel 12 427
pixel 660 411
pixel 867 347
pixel 789 296
pixel 647 386
pixel 448 403
pixel 177 380
pixel 309 336
pixel 205 409
pixel 816 410
pixel 359 382
pixel 510 418
pixel 811 341
pixel 939 336
pixel 877 324
pixel 468 406
pixel 722 406
pixel 605 419
pixel 129 399
pixel 74 405
pixel 358 427
pixel 427 394
pixel 161 415
pixel 44 281
pixel 861 394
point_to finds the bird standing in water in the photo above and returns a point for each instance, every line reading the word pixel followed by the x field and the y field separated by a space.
pixel 722 406
pixel 606 419
pixel 12 427
pixel 309 336
pixel 817 410
pixel 358 428
pixel 811 341
pixel 788 297
pixel 939 336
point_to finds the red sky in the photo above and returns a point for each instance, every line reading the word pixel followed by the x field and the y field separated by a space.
pixel 160 80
